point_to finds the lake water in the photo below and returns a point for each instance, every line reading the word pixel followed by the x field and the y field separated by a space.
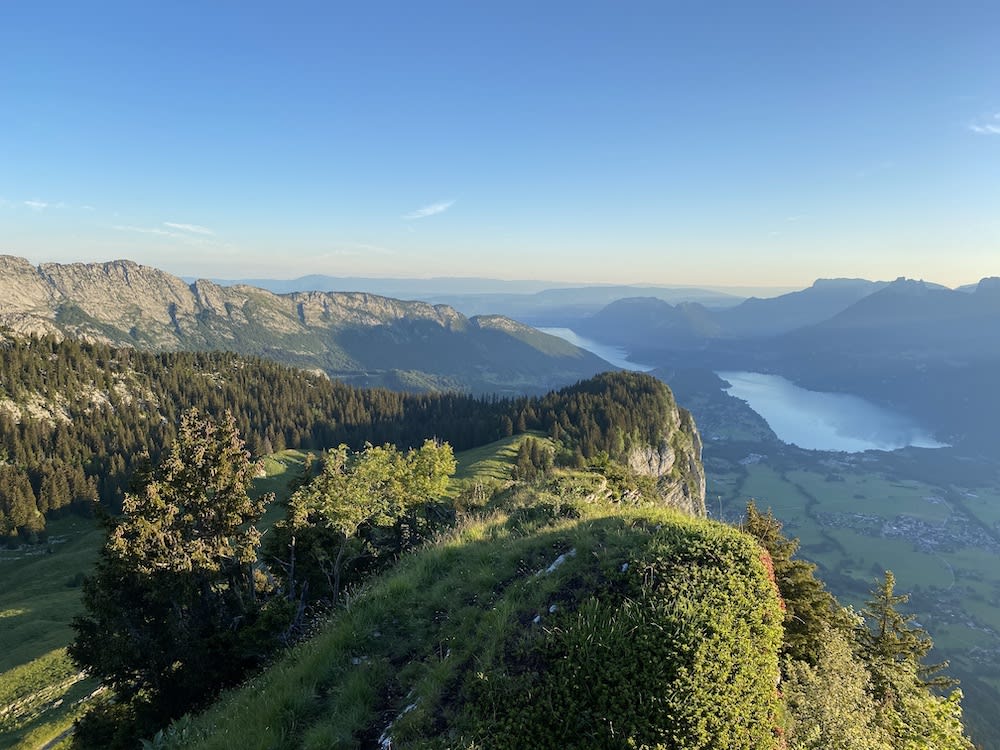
pixel 613 354
pixel 825 421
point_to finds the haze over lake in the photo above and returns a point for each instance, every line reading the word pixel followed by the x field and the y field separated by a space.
pixel 615 355
pixel 825 421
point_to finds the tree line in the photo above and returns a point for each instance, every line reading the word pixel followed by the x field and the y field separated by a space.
pixel 77 419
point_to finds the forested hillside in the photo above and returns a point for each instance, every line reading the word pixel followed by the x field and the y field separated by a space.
pixel 77 418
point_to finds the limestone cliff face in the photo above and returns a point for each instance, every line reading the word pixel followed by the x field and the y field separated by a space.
pixel 330 309
pixel 108 300
pixel 675 463
pixel 633 418
pixel 22 287
pixel 356 335
pixel 25 299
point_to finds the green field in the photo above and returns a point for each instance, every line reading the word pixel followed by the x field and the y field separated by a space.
pixel 983 503
pixel 493 461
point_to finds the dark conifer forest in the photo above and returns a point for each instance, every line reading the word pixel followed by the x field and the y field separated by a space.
pixel 77 419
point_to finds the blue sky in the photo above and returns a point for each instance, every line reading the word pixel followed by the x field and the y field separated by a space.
pixel 657 142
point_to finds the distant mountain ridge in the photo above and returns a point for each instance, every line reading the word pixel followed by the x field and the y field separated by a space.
pixel 359 337
pixel 770 316
pixel 642 322
pixel 909 345
pixel 537 303
pixel 913 319
pixel 565 306
pixel 458 287
pixel 402 288
pixel 637 322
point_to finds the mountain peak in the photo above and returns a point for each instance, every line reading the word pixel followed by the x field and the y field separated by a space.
pixel 903 285
pixel 989 285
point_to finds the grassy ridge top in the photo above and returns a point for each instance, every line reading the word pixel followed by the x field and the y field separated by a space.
pixel 551 622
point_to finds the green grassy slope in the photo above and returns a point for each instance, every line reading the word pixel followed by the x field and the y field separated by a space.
pixel 543 624
pixel 491 462
pixel 39 595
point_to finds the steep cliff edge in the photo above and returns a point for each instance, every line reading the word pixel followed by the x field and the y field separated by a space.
pixel 634 419
pixel 676 465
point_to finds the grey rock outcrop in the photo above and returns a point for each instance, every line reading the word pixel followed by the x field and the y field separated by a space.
pixel 675 463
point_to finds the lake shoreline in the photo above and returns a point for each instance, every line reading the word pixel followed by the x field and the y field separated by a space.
pixel 613 355
pixel 817 420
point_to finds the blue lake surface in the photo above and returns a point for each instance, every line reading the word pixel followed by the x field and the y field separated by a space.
pixel 612 354
pixel 825 421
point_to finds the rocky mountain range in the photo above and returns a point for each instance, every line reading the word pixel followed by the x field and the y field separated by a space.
pixel 362 338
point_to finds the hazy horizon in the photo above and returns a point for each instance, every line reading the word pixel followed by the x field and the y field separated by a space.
pixel 768 145
pixel 737 290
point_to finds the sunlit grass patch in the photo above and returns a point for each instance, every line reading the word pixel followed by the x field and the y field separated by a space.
pixel 41 698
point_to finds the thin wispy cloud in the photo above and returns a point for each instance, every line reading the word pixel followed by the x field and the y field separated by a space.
pixel 144 230
pixel 989 125
pixel 185 237
pixel 432 210
pixel 193 228
pixel 37 205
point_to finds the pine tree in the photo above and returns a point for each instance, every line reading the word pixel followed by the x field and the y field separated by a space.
pixel 810 610
pixel 829 704
pixel 172 612
pixel 894 646
pixel 525 465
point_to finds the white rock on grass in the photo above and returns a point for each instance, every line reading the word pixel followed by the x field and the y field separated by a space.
pixel 558 562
